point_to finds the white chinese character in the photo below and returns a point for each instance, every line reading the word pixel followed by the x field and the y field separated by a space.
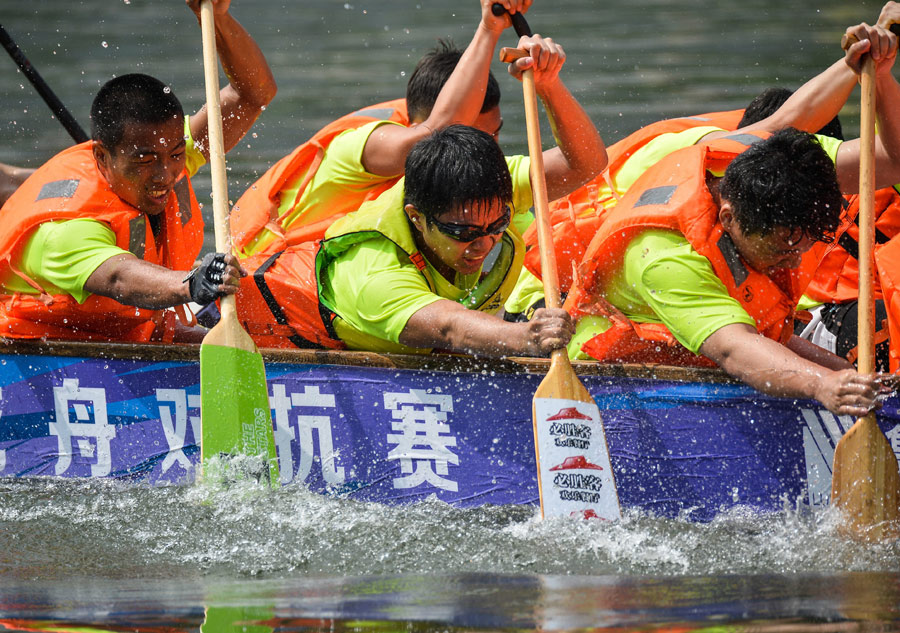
pixel 894 436
pixel 174 430
pixel 94 437
pixel 422 439
pixel 302 430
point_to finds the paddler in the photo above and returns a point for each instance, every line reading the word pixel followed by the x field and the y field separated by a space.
pixel 406 272
pixel 103 237
pixel 698 261
pixel 362 154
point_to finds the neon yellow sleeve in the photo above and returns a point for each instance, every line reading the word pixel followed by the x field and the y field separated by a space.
pixel 830 145
pixel 194 158
pixel 60 256
pixel 374 291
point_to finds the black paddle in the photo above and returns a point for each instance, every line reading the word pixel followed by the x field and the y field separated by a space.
pixel 518 20
pixel 50 98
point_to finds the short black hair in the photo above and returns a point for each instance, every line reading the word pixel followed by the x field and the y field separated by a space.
pixel 455 166
pixel 430 75
pixel 131 98
pixel 769 100
pixel 786 180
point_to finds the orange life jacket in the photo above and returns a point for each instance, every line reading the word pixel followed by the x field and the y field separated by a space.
pixel 836 280
pixel 672 195
pixel 278 303
pixel 70 186
pixel 576 217
pixel 257 208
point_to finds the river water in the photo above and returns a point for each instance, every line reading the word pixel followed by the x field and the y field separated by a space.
pixel 113 556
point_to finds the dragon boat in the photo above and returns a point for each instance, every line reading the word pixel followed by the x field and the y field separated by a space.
pixel 397 429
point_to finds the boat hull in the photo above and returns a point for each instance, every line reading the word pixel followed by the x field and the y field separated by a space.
pixel 686 443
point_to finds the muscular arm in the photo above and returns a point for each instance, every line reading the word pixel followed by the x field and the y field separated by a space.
pixel 448 325
pixel 580 153
pixel 135 282
pixel 459 101
pixel 138 283
pixel 776 370
pixel 251 85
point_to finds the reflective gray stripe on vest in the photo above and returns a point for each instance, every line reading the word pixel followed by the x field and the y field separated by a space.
pixel 376 113
pixel 183 195
pixel 137 238
pixel 729 251
pixel 58 189
pixel 746 139
pixel 656 195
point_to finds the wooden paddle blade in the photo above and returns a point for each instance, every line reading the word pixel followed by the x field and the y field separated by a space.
pixel 574 471
pixel 865 483
pixel 234 400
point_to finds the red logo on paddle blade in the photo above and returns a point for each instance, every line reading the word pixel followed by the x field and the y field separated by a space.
pixel 569 413
pixel 577 462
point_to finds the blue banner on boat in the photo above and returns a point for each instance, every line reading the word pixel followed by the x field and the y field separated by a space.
pixel 397 435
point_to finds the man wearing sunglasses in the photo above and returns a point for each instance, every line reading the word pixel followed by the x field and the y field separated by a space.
pixel 419 283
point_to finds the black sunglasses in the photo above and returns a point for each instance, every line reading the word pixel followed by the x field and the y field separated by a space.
pixel 469 233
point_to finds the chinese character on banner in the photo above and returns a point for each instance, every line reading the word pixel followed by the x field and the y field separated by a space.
pixel 422 438
pixel 301 429
pixel 178 401
pixel 81 416
pixel 894 438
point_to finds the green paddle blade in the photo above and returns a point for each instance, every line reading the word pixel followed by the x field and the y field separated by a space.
pixel 237 620
pixel 235 413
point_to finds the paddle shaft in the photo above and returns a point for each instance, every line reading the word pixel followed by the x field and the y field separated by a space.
pixel 216 143
pixel 539 191
pixel 56 106
pixel 866 328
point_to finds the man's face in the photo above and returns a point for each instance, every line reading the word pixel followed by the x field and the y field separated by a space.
pixel 465 256
pixel 780 249
pixel 143 168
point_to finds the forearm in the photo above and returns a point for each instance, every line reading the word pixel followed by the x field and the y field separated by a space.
pixel 448 326
pixel 764 364
pixel 462 97
pixel 135 282
pixel 244 63
pixel 577 139
pixel 815 103
pixel 817 355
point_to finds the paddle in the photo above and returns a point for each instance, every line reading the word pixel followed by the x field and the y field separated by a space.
pixel 865 482
pixel 50 98
pixel 235 413
pixel 574 471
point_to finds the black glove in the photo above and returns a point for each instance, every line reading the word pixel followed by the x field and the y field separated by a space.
pixel 205 279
